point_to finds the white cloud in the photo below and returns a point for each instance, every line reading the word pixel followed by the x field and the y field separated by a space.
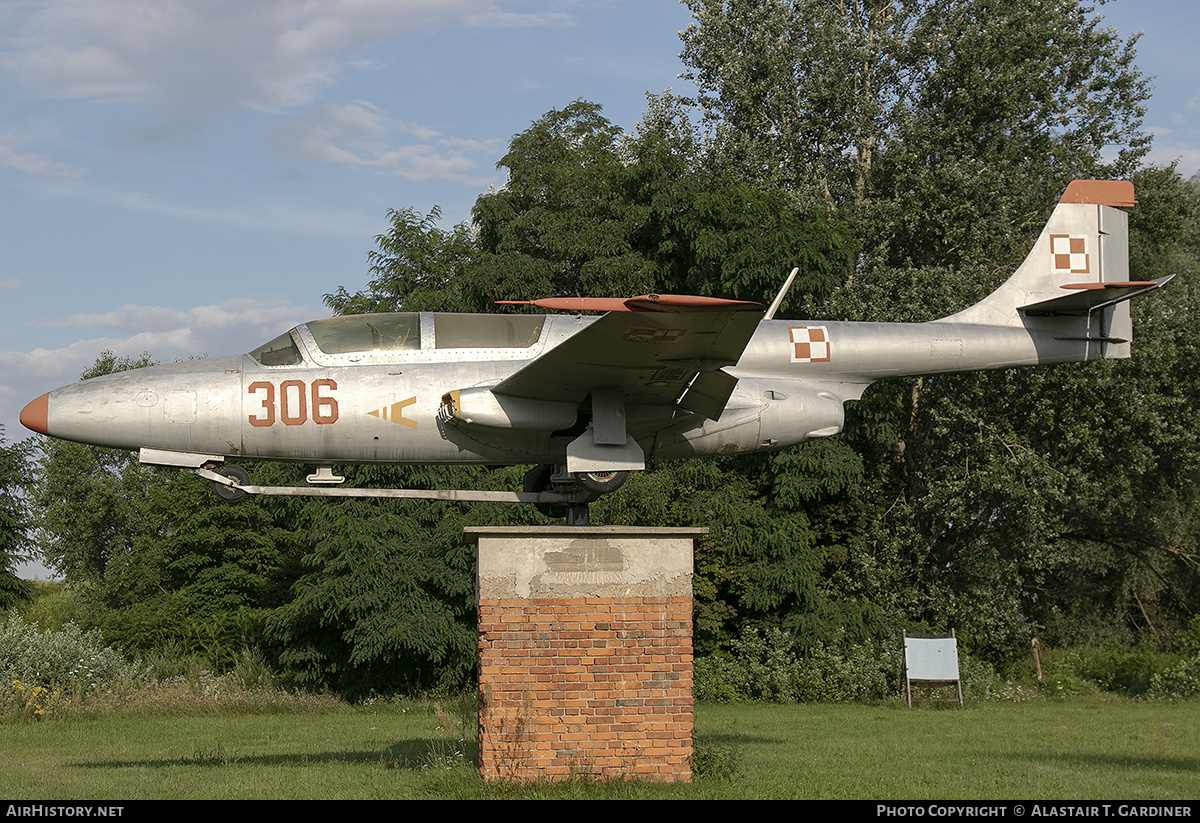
pixel 10 283
pixel 240 313
pixel 1186 156
pixel 334 133
pixel 213 54
pixel 33 163
pixel 1179 145
pixel 358 134
pixel 68 362
pixel 261 213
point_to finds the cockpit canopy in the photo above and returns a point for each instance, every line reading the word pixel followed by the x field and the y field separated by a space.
pixel 402 331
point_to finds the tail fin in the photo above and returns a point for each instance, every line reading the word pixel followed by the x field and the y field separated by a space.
pixel 1077 276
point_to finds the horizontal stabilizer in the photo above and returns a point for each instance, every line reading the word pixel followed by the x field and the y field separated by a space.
pixel 1085 298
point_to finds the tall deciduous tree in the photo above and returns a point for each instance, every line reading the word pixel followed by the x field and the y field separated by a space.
pixel 386 596
pixel 921 115
pixel 800 94
pixel 417 266
pixel 14 471
pixel 1035 91
pixel 590 211
pixel 1054 499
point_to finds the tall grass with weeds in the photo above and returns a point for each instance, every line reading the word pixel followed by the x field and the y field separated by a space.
pixel 69 672
pixel 457 745
pixel 68 661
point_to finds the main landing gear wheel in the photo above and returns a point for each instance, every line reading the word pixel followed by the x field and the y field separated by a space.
pixel 229 494
pixel 601 483
pixel 588 487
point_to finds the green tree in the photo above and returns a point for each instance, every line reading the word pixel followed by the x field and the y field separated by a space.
pixel 919 115
pixel 799 95
pixel 198 573
pixel 564 223
pixel 591 211
pixel 1056 501
pixel 960 137
pixel 386 596
pixel 774 529
pixel 13 519
pixel 417 266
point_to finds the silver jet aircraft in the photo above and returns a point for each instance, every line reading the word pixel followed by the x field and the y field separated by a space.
pixel 587 399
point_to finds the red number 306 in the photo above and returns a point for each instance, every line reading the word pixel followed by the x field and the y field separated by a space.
pixel 294 402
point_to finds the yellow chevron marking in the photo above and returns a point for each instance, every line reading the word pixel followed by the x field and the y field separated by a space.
pixel 395 413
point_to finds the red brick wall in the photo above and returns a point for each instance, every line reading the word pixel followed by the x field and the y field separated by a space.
pixel 585 686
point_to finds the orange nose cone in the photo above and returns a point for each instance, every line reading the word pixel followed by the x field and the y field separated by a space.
pixel 33 416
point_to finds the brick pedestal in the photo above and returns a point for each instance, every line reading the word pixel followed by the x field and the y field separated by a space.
pixel 585 652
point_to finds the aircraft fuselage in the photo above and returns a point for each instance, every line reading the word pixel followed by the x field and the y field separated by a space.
pixel 359 407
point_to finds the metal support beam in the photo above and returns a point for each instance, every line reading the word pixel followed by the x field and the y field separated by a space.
pixel 462 495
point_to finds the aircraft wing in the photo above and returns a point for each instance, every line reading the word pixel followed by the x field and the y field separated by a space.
pixel 657 350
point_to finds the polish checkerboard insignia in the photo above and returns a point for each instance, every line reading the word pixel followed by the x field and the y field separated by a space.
pixel 810 344
pixel 1069 252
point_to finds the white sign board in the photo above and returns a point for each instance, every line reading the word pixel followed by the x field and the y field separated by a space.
pixel 931 658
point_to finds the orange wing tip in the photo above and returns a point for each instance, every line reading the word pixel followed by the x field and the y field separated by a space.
pixel 1100 192
pixel 571 303
pixel 646 302
pixel 689 302
pixel 33 416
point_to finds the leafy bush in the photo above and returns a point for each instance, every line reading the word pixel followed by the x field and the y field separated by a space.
pixel 772 665
pixel 1189 640
pixel 1119 669
pixel 68 659
pixel 1065 674
pixel 172 664
pixel 1183 678
pixel 1180 680
pixel 56 603
pixel 1142 671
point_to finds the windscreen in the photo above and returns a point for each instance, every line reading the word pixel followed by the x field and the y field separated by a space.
pixel 486 331
pixel 367 333
pixel 282 351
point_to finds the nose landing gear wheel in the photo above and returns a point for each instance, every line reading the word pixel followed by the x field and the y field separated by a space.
pixel 229 494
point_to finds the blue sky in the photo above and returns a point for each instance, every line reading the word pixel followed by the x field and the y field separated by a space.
pixel 189 177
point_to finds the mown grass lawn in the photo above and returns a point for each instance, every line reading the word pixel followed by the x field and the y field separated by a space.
pixel 1071 749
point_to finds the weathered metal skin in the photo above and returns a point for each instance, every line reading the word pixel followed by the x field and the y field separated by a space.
pixel 668 378
pixel 184 406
